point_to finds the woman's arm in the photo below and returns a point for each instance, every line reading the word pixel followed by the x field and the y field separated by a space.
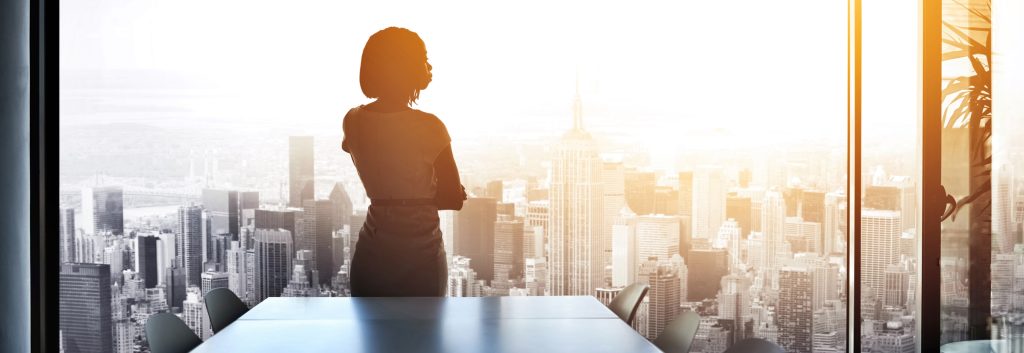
pixel 450 192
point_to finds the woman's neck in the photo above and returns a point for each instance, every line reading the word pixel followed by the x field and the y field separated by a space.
pixel 388 105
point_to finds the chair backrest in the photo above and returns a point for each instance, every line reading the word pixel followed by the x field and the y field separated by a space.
pixel 166 333
pixel 223 307
pixel 755 345
pixel 678 335
pixel 628 300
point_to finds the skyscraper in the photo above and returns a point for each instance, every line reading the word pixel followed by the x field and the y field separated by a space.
pixel 795 311
pixel 663 303
pixel 236 267
pixel 103 210
pixel 575 212
pixel 192 310
pixel 773 226
pixel 812 206
pixel 273 262
pixel 624 249
pixel 146 259
pixel 175 285
pixel 708 201
pixel 318 221
pixel 880 232
pixel 300 170
pixel 66 232
pixel 537 225
pixel 686 193
pixel 613 187
pixel 802 236
pixel 496 190
pixel 305 279
pixel 657 236
pixel 474 234
pixel 189 242
pixel 739 209
pixel 734 304
pixel 85 308
pixel 707 267
pixel 289 219
pixel 213 280
pixel 639 187
pixel 222 209
pixel 508 250
pixel 342 205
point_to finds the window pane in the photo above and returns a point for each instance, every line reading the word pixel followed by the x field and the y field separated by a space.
pixel 889 175
pixel 982 255
pixel 695 147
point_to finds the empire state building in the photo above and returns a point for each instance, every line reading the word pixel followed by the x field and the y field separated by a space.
pixel 575 212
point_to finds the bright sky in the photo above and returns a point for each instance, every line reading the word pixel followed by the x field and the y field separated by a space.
pixel 751 67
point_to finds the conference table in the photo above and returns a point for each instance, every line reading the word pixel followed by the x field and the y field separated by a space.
pixel 487 324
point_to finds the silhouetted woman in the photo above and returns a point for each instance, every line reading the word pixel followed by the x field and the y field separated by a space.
pixel 404 159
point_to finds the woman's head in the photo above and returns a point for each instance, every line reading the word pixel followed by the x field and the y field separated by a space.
pixel 394 65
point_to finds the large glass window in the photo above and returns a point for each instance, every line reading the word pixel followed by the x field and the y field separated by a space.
pixel 698 147
pixel 889 175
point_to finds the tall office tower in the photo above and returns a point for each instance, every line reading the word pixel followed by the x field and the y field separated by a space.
pixel 880 236
pixel 212 280
pixel 575 212
pixel 896 285
pixel 831 232
pixel 496 190
pixel 666 200
pixel 1003 294
pixel 657 236
pixel 273 262
pixel 739 209
pixel 175 285
pixel 507 210
pixel 614 193
pixel 188 238
pixel 103 210
pixel 606 295
pixel 508 250
pixel 686 193
pixel 85 307
pixel 217 252
pixel 729 239
pixel 708 266
pixel 638 187
pixel 300 170
pixel 1004 228
pixel 663 305
pixel 318 221
pixel 474 234
pixel 792 196
pixel 624 249
pixel 250 276
pixel 121 325
pixel 222 209
pixel 773 226
pixel 794 315
pixel 305 279
pixel 342 206
pixel 462 279
pixel 746 175
pixel 237 271
pixel 708 201
pixel 537 216
pixel 734 305
pixel 894 339
pixel 826 283
pixel 812 206
pixel 248 200
pixel 192 310
pixel 290 219
pixel 146 259
pixel 66 232
pixel 881 197
pixel 802 235
pixel 535 275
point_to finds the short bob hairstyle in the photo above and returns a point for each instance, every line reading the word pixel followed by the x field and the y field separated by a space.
pixel 394 65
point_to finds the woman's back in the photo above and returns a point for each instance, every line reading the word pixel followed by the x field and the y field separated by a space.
pixel 395 152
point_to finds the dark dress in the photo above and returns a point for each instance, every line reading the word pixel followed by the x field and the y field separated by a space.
pixel 399 252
